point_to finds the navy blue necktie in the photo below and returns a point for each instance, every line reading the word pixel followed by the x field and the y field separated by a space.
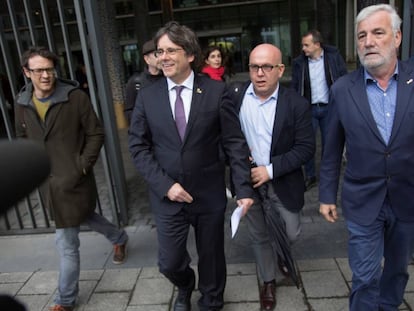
pixel 179 112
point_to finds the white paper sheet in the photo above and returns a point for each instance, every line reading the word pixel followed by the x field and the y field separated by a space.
pixel 235 220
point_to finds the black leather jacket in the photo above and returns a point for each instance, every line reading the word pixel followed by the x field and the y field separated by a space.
pixel 136 82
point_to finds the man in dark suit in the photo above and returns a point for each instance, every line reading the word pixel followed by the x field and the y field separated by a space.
pixel 177 129
pixel 372 112
pixel 277 123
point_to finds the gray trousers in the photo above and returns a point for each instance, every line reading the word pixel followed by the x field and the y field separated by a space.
pixel 256 225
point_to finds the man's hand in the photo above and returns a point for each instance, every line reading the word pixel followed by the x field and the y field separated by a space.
pixel 259 176
pixel 246 203
pixel 177 194
pixel 328 211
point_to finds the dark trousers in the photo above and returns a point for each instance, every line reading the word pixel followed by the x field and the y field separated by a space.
pixel 319 120
pixel 373 287
pixel 174 259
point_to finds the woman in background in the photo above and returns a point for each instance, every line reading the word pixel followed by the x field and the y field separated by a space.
pixel 213 67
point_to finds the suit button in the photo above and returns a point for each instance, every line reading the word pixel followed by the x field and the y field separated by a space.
pixel 387 154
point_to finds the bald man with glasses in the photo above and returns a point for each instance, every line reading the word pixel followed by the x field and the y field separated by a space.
pixel 278 128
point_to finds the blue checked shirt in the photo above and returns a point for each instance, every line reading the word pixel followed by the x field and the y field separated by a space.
pixel 382 103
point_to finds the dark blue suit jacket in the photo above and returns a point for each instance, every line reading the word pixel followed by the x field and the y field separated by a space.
pixel 197 162
pixel 293 144
pixel 373 169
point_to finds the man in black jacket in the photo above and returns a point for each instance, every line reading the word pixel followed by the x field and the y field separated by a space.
pixel 277 124
pixel 138 80
pixel 313 73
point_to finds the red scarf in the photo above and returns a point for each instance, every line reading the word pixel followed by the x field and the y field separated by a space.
pixel 214 73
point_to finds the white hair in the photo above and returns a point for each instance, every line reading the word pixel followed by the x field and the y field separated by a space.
pixel 369 10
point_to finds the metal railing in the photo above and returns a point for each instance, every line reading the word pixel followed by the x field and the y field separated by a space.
pixel 22 31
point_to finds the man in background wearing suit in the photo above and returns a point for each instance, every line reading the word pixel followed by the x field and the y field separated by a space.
pixel 372 112
pixel 277 124
pixel 177 128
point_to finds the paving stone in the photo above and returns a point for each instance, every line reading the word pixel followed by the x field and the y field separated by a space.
pixel 290 298
pixel 34 302
pixel 118 280
pixel 152 292
pixel 317 264
pixel 410 283
pixel 149 308
pixel 15 277
pixel 86 289
pixel 90 275
pixel 345 269
pixel 329 304
pixel 42 282
pixel 243 306
pixel 150 272
pixel 409 299
pixel 107 301
pixel 10 288
pixel 239 288
pixel 241 269
pixel 319 284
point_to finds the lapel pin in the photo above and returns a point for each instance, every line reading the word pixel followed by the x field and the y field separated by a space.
pixel 409 81
pixel 199 91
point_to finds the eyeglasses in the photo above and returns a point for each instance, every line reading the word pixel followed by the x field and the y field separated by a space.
pixel 169 51
pixel 265 67
pixel 39 71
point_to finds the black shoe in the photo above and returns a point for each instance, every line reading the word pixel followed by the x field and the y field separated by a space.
pixel 183 300
pixel 310 182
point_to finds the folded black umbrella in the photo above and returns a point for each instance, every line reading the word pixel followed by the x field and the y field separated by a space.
pixel 277 233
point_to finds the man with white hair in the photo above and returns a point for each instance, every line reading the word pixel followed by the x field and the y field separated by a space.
pixel 371 114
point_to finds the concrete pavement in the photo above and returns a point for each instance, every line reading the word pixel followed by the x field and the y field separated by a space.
pixel 29 271
pixel 29 264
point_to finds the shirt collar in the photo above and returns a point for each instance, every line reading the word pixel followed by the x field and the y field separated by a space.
pixel 188 83
pixel 250 91
pixel 316 59
pixel 369 78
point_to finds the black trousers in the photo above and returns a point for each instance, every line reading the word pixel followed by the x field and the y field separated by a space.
pixel 174 259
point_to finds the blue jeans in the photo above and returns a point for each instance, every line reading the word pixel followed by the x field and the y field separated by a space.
pixel 67 244
pixel 319 119
pixel 388 237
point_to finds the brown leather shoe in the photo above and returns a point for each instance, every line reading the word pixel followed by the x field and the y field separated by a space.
pixel 268 296
pixel 120 253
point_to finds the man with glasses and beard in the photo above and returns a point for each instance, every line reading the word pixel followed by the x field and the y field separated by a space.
pixel 57 114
